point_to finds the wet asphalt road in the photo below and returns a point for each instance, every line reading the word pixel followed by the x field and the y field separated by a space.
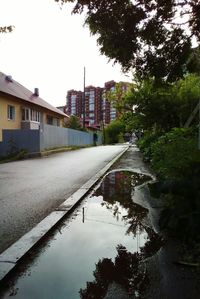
pixel 31 189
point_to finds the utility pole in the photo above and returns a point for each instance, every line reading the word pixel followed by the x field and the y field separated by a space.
pixel 83 104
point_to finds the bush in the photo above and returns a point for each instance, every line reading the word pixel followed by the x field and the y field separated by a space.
pixel 174 153
pixel 145 144
pixel 114 131
pixel 175 159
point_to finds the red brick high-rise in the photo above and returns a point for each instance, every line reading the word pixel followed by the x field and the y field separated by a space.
pixel 109 112
pixel 93 101
pixel 97 106
pixel 74 102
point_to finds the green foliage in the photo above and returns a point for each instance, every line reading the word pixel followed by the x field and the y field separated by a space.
pixel 162 107
pixel 154 105
pixel 172 150
pixel 181 215
pixel 6 29
pixel 144 35
pixel 19 155
pixel 193 63
pixel 186 93
pixel 145 144
pixel 131 122
pixel 114 131
pixel 175 159
pixel 174 153
pixel 73 122
pixel 118 98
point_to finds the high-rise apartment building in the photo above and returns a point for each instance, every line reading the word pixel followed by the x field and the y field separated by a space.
pixel 93 101
pixel 109 112
pixel 74 102
pixel 97 106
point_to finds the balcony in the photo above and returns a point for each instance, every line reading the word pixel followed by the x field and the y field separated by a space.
pixel 30 125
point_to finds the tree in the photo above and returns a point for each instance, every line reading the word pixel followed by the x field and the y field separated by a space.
pixel 114 131
pixel 186 93
pixel 153 37
pixel 6 29
pixel 73 122
pixel 118 98
pixel 193 63
pixel 154 106
pixel 161 107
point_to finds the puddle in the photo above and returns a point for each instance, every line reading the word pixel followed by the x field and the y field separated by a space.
pixel 97 252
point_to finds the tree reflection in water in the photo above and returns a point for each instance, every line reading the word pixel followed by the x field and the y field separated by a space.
pixel 117 190
pixel 126 270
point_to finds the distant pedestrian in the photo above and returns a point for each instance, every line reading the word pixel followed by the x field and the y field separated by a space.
pixel 95 139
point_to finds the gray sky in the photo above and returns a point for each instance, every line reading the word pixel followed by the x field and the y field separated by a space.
pixel 49 48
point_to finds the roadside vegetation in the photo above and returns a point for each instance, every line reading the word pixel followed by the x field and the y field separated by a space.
pixel 170 146
pixel 175 158
pixel 18 155
pixel 73 122
pixel 155 40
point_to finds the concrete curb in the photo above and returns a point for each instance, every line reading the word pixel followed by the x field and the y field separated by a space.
pixel 11 256
pixel 48 152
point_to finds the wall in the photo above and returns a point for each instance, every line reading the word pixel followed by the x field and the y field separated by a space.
pixel 47 137
pixel 52 136
pixel 4 122
pixel 16 140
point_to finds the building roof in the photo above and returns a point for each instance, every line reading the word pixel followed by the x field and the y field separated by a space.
pixel 12 87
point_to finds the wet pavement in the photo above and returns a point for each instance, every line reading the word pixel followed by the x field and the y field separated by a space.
pixel 166 279
pixel 96 251
pixel 108 249
pixel 31 189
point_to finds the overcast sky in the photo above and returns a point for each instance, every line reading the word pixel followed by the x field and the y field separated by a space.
pixel 49 48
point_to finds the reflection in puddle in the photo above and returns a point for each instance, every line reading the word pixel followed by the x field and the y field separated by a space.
pixel 125 272
pixel 117 190
pixel 98 250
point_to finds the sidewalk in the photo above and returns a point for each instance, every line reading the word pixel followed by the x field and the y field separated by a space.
pixel 167 280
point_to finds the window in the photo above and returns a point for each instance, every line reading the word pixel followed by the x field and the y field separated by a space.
pixel 49 120
pixel 30 115
pixel 73 110
pixel 11 112
pixel 113 113
pixel 56 122
pixel 35 115
pixel 73 104
pixel 91 104
pixel 91 115
pixel 53 121
pixel 25 114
